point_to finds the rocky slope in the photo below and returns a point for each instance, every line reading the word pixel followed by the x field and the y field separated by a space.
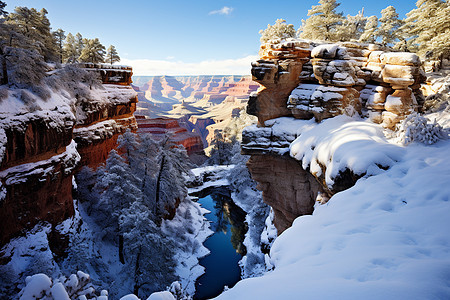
pixel 42 141
pixel 304 80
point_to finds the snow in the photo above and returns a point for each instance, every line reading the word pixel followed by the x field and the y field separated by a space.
pixel 161 296
pixel 59 292
pixel 384 238
pixel 343 143
pixel 188 268
pixel 37 286
pixel 129 297
pixel 328 51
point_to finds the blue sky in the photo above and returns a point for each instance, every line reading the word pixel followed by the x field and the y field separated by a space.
pixel 186 37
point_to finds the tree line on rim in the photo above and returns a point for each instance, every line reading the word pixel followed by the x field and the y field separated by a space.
pixel 26 33
pixel 425 29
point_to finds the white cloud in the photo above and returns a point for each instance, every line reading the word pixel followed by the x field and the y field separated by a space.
pixel 223 11
pixel 148 67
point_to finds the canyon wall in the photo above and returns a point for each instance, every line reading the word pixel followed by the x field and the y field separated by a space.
pixel 43 141
pixel 304 80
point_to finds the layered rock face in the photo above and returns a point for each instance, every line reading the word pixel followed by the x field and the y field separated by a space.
pixel 156 128
pixel 287 188
pixel 304 80
pixel 101 120
pixel 40 145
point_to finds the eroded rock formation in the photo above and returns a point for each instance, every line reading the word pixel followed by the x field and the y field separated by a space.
pixel 40 146
pixel 306 80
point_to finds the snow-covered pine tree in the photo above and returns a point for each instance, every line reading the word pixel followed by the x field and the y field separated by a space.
pixel 280 30
pixel 222 149
pixel 111 55
pixel 390 24
pixel 93 51
pixel 59 36
pixel 79 44
pixel 35 27
pixel 428 26
pixel 119 186
pixel 149 255
pixel 145 166
pixel 351 27
pixel 173 163
pixel 322 22
pixel 370 30
pixel 70 54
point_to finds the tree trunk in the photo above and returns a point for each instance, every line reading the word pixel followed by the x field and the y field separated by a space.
pixel 136 273
pixel 158 183
pixel 121 257
pixel 4 67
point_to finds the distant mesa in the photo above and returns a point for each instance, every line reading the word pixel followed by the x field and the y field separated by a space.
pixel 199 103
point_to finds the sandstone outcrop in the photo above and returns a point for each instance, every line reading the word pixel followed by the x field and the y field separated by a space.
pixel 287 188
pixel 306 80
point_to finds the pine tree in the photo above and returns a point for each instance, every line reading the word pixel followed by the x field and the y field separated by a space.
pixel 149 254
pixel 352 27
pixel 428 26
pixel 173 163
pixel 390 24
pixel 70 54
pixel 119 192
pixel 79 44
pixel 59 35
pixel 35 27
pixel 3 12
pixel 93 51
pixel 322 22
pixel 370 29
pixel 111 55
pixel 280 30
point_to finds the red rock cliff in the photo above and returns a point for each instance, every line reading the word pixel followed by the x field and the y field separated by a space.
pixel 41 142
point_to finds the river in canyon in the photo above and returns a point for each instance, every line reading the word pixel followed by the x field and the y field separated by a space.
pixel 226 243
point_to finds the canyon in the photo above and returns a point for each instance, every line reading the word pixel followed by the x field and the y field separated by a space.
pixel 201 104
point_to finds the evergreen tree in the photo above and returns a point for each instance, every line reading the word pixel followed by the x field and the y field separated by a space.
pixel 111 55
pixel 322 22
pixel 119 192
pixel 222 150
pixel 93 51
pixel 59 36
pixel 35 27
pixel 149 254
pixel 390 24
pixel 173 163
pixel 3 12
pixel 70 54
pixel 79 44
pixel 280 30
pixel 352 27
pixel 428 27
pixel 370 29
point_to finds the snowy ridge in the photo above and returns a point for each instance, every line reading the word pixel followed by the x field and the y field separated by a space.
pixel 384 238
pixel 343 143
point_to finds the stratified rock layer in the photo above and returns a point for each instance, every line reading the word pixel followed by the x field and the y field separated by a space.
pixel 305 80
pixel 287 188
pixel 40 147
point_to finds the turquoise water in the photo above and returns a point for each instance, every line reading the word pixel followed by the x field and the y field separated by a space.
pixel 221 265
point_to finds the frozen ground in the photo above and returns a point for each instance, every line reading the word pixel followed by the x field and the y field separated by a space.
pixel 384 238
